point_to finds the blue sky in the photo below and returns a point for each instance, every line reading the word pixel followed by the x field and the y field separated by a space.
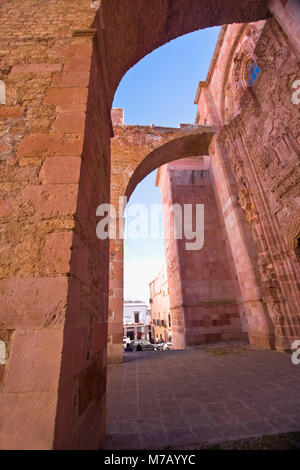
pixel 160 90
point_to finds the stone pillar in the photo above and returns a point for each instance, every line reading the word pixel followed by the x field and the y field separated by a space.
pixel 255 317
pixel 54 272
pixel 204 294
pixel 116 298
pixel 287 13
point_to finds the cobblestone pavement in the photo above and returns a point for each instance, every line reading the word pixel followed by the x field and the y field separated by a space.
pixel 184 398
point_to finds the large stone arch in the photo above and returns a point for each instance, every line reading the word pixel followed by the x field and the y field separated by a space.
pixel 61 70
pixel 135 152
pixel 133 29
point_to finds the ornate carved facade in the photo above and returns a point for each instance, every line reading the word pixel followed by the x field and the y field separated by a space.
pixel 259 128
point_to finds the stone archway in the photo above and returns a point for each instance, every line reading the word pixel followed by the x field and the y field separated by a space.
pixel 61 70
pixel 135 152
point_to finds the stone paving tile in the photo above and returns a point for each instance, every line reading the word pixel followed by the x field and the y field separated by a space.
pixel 286 409
pixel 245 416
pixel 150 425
pixel 259 428
pixel 222 418
pixel 180 436
pixel 190 397
pixel 233 431
pixel 191 409
pixel 151 412
pixel 126 442
pixel 157 439
pixel 283 424
pixel 213 407
pixel 234 406
pixel 176 421
pixel 207 433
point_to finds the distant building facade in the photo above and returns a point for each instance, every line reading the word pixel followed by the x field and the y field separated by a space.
pixel 161 323
pixel 136 323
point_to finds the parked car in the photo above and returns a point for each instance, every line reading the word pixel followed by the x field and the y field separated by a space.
pixel 143 345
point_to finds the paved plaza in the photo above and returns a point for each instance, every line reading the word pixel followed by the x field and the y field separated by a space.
pixel 187 398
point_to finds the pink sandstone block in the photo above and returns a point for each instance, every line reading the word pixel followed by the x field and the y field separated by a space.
pixel 77 64
pixel 34 363
pixel 74 360
pixel 33 302
pixel 57 252
pixel 71 79
pixel 99 336
pixel 80 261
pixel 52 200
pixel 34 145
pixel 66 95
pixel 60 170
pixel 70 123
pixel 36 68
pixel 71 108
pixel 77 50
pixel 27 420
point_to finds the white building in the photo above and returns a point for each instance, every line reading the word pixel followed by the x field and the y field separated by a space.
pixel 136 320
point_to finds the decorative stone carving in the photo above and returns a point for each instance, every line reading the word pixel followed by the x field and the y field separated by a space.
pixel 248 206
pixel 293 231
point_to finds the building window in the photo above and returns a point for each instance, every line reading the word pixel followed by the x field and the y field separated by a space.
pixel 169 318
pixel 136 317
pixel 253 72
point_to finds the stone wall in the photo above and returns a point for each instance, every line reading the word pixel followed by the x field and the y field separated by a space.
pixel 54 150
pixel 61 63
pixel 203 290
pixel 258 149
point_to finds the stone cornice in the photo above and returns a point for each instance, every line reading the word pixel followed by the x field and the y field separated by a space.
pixel 214 60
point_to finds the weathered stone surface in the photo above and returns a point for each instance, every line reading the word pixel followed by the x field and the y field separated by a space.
pixel 57 170
pixel 29 418
pixel 33 302
pixel 39 40
pixel 256 169
pixel 34 362
pixel 204 295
